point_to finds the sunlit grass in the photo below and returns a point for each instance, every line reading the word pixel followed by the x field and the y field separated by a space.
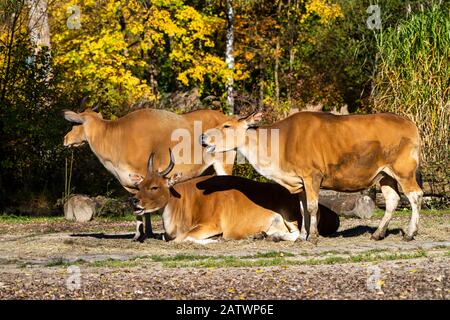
pixel 29 219
pixel 268 259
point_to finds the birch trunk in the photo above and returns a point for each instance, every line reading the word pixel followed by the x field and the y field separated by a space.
pixel 229 56
pixel 277 82
pixel 277 61
pixel 39 31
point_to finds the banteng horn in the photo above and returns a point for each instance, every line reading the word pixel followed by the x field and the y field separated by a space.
pixel 150 162
pixel 170 167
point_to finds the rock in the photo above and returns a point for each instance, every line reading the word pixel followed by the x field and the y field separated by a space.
pixel 348 204
pixel 83 208
pixel 80 208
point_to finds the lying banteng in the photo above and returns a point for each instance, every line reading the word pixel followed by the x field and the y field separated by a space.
pixel 235 207
pixel 313 150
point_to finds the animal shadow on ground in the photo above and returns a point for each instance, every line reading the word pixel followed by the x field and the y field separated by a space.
pixel 101 235
pixel 361 230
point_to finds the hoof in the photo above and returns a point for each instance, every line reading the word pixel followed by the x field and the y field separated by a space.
pixel 273 238
pixel 303 237
pixel 260 236
pixel 276 239
pixel 139 237
pixel 157 236
pixel 313 240
pixel 377 237
pixel 408 238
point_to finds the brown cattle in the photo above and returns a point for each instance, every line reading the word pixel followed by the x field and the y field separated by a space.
pixel 235 207
pixel 321 150
pixel 123 145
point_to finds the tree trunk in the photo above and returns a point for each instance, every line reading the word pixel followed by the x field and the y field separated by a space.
pixel 39 31
pixel 229 56
pixel 277 61
pixel 261 93
pixel 38 23
pixel 291 53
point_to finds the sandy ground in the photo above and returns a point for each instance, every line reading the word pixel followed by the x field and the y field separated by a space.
pixel 98 260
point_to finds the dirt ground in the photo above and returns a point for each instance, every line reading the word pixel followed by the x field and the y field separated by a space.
pixel 56 259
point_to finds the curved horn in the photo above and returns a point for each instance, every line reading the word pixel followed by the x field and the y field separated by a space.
pixel 96 107
pixel 83 102
pixel 150 162
pixel 170 167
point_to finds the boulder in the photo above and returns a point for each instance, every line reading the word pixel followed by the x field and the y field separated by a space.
pixel 348 204
pixel 80 208
pixel 83 208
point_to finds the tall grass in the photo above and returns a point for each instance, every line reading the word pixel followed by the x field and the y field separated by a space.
pixel 413 78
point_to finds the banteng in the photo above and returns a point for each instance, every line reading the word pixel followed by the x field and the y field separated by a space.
pixel 123 145
pixel 321 150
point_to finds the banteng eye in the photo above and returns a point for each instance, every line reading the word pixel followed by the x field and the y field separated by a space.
pixel 226 126
pixel 154 188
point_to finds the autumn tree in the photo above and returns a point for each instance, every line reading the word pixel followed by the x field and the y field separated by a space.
pixel 129 51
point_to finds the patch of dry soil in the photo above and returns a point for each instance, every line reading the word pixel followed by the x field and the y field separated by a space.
pixel 34 260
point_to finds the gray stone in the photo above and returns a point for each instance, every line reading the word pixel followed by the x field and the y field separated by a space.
pixel 80 208
pixel 348 204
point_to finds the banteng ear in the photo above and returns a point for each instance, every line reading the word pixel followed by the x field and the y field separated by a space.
pixel 136 179
pixel 176 177
pixel 254 118
pixel 73 116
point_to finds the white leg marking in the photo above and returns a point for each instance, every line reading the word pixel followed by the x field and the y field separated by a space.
pixel 139 226
pixel 303 232
pixel 392 198
pixel 285 236
pixel 415 199
pixel 282 230
pixel 292 236
pixel 313 207
pixel 218 167
pixel 201 241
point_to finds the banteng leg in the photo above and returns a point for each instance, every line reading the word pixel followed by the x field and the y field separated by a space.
pixel 139 235
pixel 414 194
pixel 199 234
pixel 312 187
pixel 391 195
pixel 143 228
pixel 148 231
pixel 282 230
pixel 405 169
pixel 305 217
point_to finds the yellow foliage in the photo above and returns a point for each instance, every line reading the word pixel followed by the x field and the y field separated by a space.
pixel 107 56
pixel 324 9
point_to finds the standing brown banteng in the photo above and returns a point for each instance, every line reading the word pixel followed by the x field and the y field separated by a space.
pixel 321 150
pixel 123 145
